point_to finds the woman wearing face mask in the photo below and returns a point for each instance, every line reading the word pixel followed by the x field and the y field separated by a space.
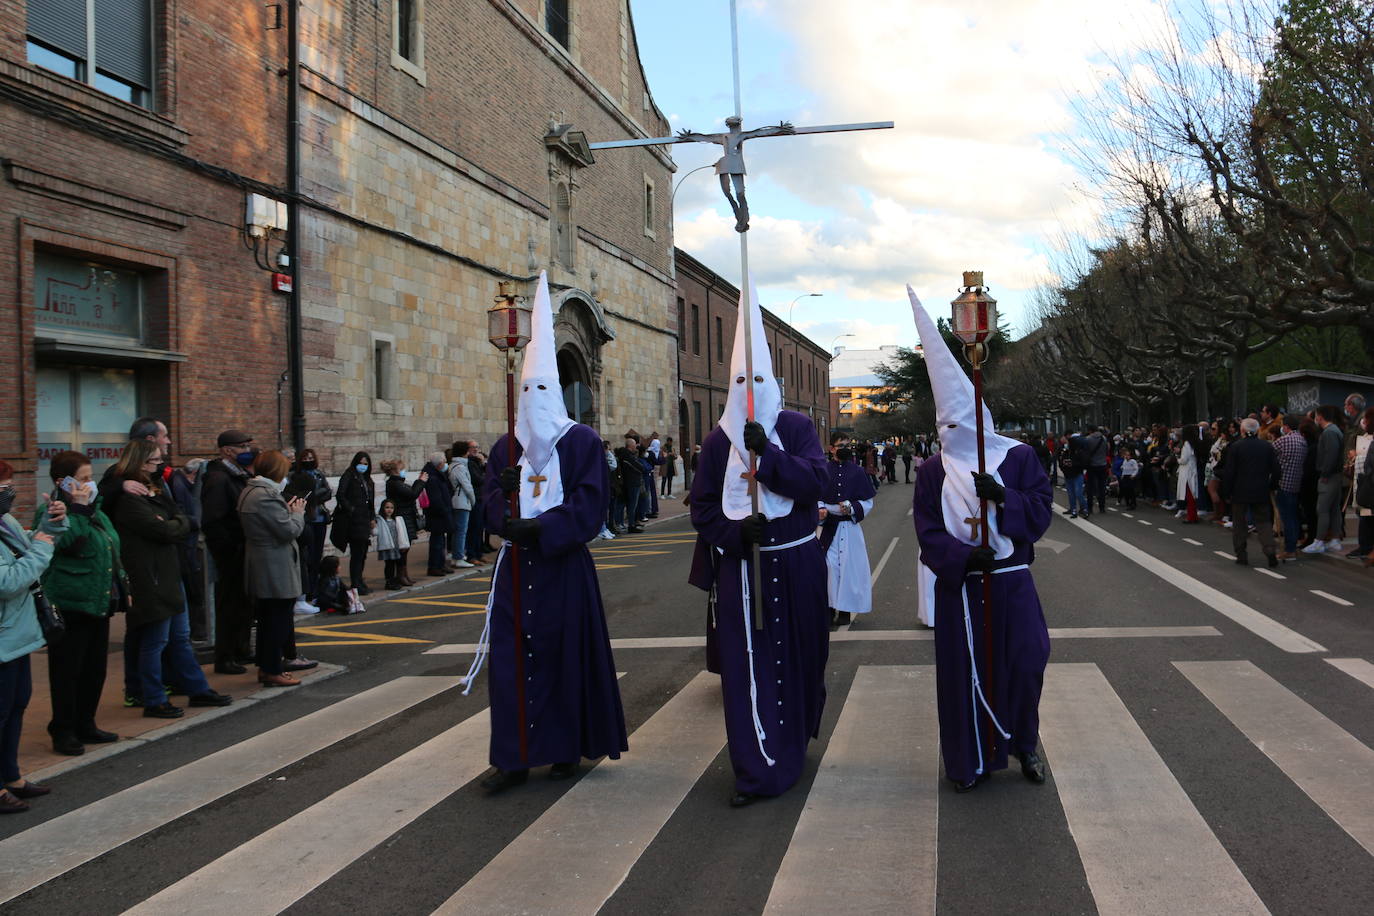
pixel 23 557
pixel 271 567
pixel 404 496
pixel 308 482
pixel 151 529
pixel 355 516
pixel 87 582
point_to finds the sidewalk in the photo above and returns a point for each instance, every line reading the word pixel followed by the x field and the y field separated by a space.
pixel 37 759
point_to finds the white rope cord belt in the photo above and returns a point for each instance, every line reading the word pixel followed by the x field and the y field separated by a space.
pixel 484 641
pixel 976 685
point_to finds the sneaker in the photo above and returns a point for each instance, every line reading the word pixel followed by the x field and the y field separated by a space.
pixel 1227 524
pixel 299 663
pixel 131 701
pixel 463 564
pixel 1334 545
pixel 302 606
pixel 1315 547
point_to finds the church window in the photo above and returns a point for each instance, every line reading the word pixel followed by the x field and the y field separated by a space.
pixel 408 37
pixel 649 207
pixel 556 21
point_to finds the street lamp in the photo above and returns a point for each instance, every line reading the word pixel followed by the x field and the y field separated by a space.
pixel 833 355
pixel 792 330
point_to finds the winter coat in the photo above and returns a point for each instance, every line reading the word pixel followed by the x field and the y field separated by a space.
pixel 219 497
pixel 439 512
pixel 151 529
pixel 271 561
pixel 85 561
pixel 1251 472
pixel 19 630
pixel 357 501
pixel 460 478
pixel 403 496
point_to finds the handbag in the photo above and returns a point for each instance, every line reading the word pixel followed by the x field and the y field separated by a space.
pixel 50 619
pixel 423 500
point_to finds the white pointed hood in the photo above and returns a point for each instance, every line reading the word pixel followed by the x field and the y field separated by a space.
pixel 955 417
pixel 541 418
pixel 767 405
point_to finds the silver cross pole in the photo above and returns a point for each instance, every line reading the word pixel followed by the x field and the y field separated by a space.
pixel 730 169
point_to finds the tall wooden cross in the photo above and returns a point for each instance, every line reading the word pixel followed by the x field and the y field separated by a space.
pixel 730 168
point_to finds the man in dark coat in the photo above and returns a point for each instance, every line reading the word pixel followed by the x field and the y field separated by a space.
pixel 224 480
pixel 1249 476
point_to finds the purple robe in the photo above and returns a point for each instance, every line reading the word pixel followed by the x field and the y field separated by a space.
pixel 572 699
pixel 790 652
pixel 1020 640
pixel 847 481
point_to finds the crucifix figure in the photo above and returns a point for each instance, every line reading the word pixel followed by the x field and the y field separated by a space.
pixel 537 479
pixel 730 167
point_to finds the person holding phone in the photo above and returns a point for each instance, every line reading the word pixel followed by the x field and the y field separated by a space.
pixel 23 558
pixel 271 563
pixel 86 581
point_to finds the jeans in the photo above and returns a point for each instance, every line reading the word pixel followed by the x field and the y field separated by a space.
pixel 1288 514
pixel 458 537
pixel 16 686
pixel 1073 483
pixel 174 632
pixel 438 550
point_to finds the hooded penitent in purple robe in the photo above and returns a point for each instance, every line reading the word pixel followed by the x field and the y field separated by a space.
pixel 850 580
pixel 774 696
pixel 1021 642
pixel 572 700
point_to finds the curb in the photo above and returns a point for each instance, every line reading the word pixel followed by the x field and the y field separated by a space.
pixel 324 672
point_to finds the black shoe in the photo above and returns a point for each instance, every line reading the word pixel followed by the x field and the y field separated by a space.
pixel 1273 560
pixel 229 668
pixel 1242 561
pixel 500 780
pixel 300 663
pixel 1086 515
pixel 843 618
pixel 743 799
pixel 363 589
pixel 165 711
pixel 29 789
pixel 69 745
pixel 970 785
pixel 1032 767
pixel 95 735
pixel 211 698
pixel 436 572
pixel 563 770
pixel 635 529
pixel 1071 514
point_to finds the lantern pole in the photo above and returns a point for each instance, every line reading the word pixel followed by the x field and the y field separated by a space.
pixel 506 302
pixel 975 338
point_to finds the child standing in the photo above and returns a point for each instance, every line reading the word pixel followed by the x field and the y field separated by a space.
pixel 330 595
pixel 1130 469
pixel 392 539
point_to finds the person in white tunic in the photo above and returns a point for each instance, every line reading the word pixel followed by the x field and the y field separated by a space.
pixel 847 500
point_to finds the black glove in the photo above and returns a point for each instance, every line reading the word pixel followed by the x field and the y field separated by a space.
pixel 509 479
pixel 523 531
pixel 988 488
pixel 981 560
pixel 751 528
pixel 755 439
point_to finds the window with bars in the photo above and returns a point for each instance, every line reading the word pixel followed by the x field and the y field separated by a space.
pixel 556 21
pixel 107 44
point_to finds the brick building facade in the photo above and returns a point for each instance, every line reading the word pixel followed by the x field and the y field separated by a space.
pixel 708 310
pixel 440 154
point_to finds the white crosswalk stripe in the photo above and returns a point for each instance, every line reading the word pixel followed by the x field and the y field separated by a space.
pixel 1144 846
pixel 865 841
pixel 873 802
pixel 41 853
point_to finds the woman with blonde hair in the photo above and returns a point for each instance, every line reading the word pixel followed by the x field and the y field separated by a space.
pixel 271 564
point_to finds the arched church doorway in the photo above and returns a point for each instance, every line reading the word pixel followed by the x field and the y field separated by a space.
pixel 575 380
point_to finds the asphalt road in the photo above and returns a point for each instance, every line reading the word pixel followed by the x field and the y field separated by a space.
pixel 1233 761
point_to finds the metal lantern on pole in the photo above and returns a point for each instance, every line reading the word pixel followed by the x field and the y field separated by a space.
pixel 509 327
pixel 973 319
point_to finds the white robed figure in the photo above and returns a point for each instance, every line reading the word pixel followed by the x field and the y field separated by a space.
pixel 847 500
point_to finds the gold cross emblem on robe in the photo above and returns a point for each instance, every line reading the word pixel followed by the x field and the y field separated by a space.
pixel 537 479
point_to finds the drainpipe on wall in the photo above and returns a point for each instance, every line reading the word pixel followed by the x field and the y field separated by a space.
pixel 295 360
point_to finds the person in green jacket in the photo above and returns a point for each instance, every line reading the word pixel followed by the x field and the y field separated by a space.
pixel 23 557
pixel 86 582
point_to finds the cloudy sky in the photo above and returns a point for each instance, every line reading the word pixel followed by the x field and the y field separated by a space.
pixel 976 175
